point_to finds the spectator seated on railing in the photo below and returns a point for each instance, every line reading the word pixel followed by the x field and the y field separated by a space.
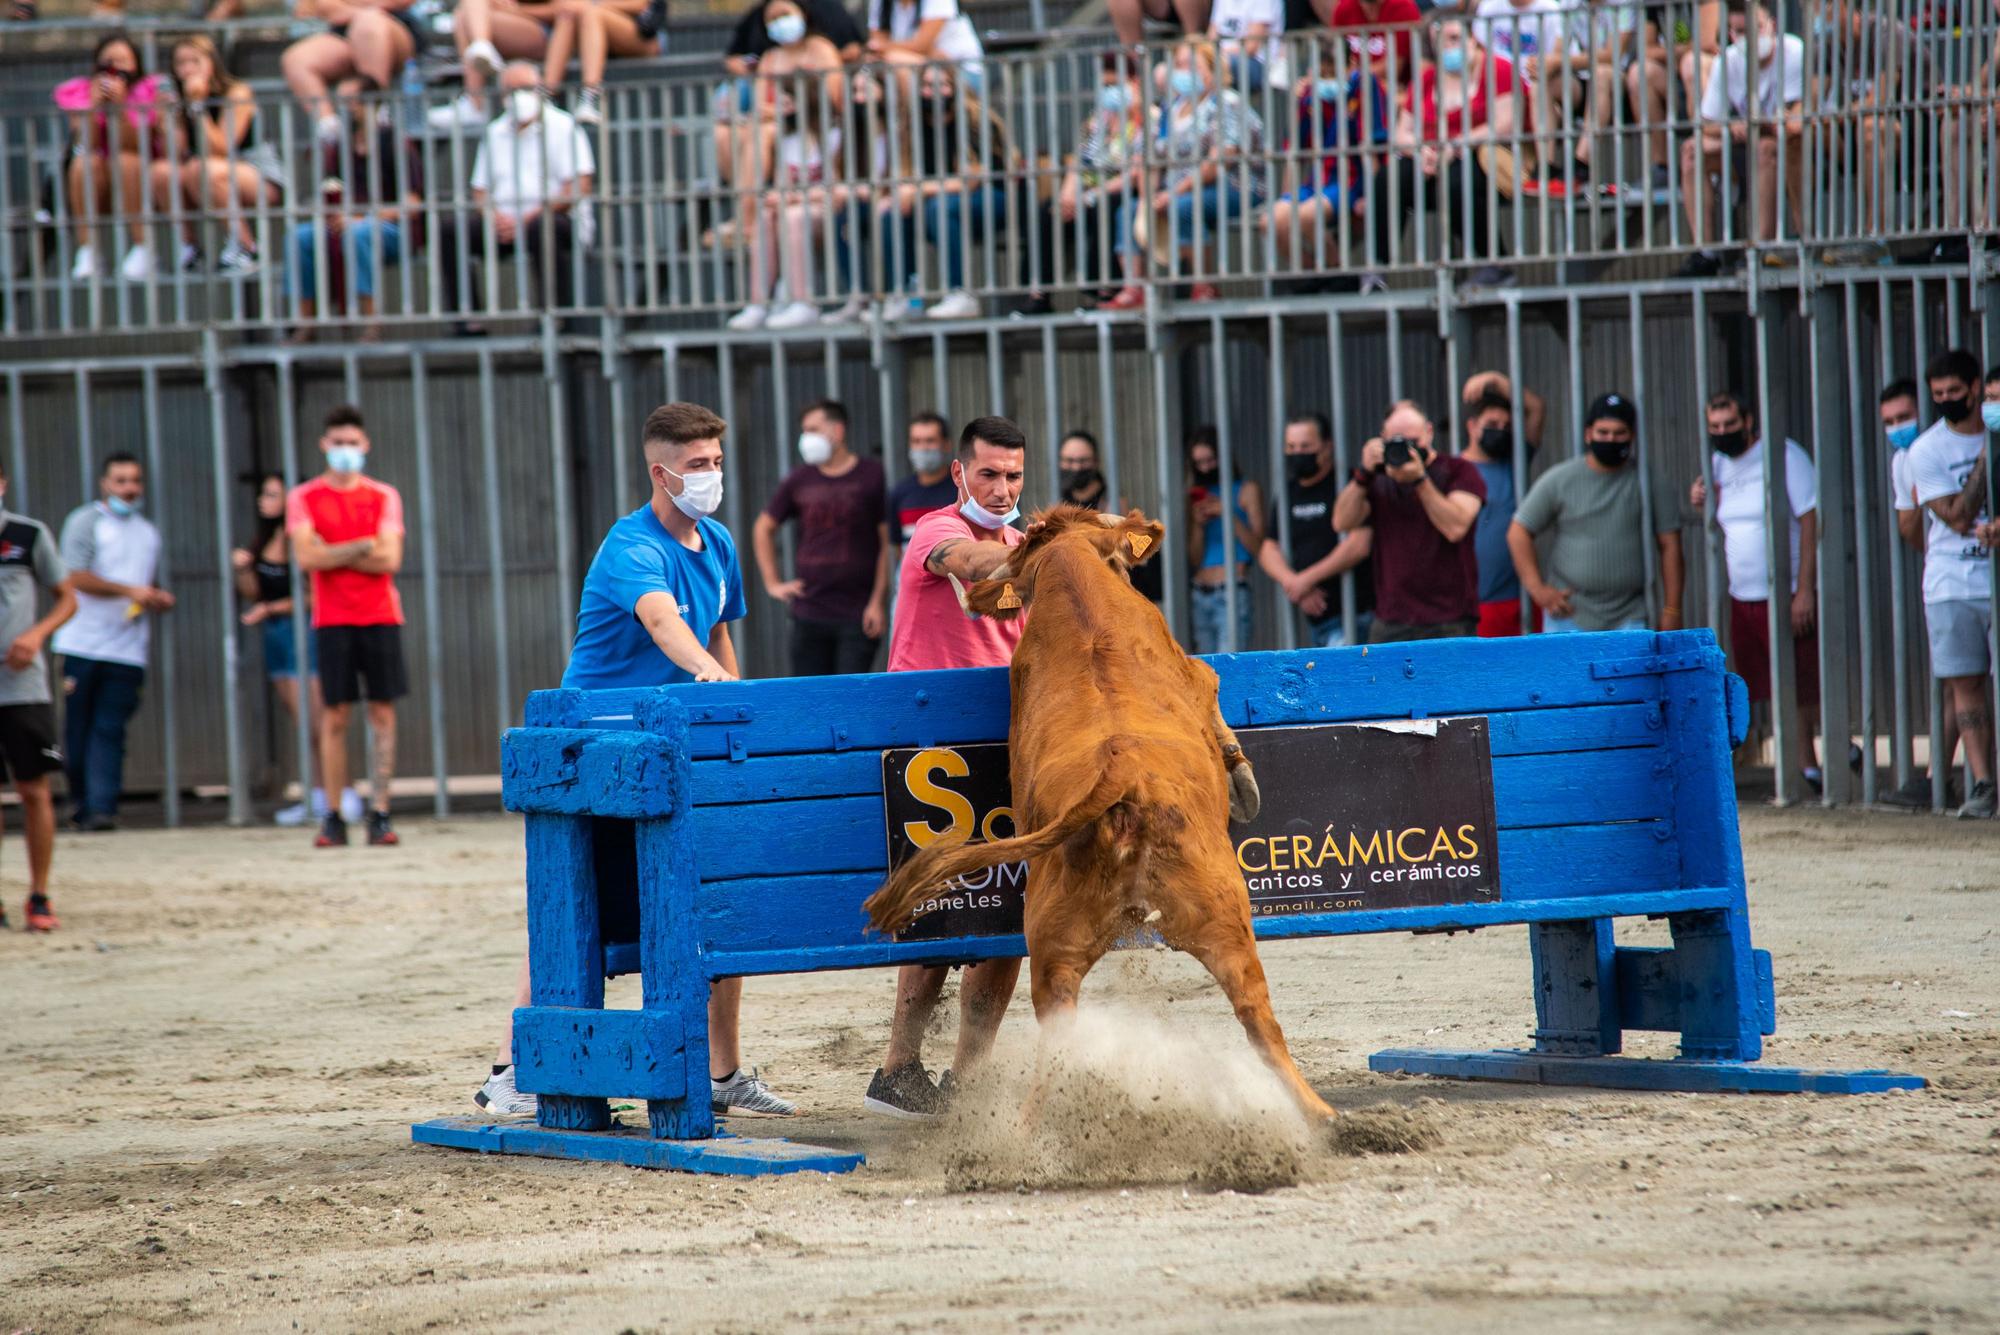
pixel 1097 179
pixel 115 130
pixel 1762 75
pixel 1604 46
pixel 1381 33
pixel 598 30
pixel 962 157
pixel 1250 35
pixel 373 38
pixel 530 195
pixel 1209 163
pixel 797 207
pixel 1129 17
pixel 372 211
pixel 916 32
pixel 797 51
pixel 220 161
pixel 1862 61
pixel 1465 101
pixel 1327 166
pixel 1965 143
pixel 488 32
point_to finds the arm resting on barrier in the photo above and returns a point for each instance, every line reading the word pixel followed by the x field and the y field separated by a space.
pixel 661 617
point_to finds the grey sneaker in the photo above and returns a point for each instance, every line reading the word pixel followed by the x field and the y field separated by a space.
pixel 498 1095
pixel 745 1093
pixel 906 1092
pixel 1979 803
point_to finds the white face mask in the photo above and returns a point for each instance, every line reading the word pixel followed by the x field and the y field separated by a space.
pixel 525 104
pixel 814 448
pixel 346 458
pixel 700 494
pixel 1766 45
pixel 980 515
pixel 927 461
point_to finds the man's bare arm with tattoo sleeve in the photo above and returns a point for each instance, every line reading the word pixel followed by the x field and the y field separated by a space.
pixel 967 559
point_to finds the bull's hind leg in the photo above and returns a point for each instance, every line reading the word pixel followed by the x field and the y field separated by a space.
pixel 1224 945
pixel 1055 977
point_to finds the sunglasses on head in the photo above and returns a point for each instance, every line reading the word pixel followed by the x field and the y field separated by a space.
pixel 116 72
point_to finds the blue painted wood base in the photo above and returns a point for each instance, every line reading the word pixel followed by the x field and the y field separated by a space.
pixel 739 1156
pixel 1676 1074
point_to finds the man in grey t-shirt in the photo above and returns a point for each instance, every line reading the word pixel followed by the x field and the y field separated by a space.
pixel 1592 507
pixel 28 749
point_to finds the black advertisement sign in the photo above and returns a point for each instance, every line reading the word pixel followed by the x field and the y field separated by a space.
pixel 1356 816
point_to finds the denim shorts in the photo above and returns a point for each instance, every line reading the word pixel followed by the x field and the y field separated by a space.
pixel 281 657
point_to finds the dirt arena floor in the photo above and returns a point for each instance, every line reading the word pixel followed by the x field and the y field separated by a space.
pixel 211 1070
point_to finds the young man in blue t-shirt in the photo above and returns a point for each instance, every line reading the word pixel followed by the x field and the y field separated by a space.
pixel 656 608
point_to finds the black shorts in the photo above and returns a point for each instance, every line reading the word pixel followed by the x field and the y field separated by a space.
pixel 351 655
pixel 28 745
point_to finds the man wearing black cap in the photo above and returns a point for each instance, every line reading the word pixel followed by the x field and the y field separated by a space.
pixel 1593 512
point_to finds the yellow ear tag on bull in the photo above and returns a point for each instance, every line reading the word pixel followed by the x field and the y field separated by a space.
pixel 1139 542
pixel 1008 600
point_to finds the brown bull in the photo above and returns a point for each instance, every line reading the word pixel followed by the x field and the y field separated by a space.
pixel 1125 779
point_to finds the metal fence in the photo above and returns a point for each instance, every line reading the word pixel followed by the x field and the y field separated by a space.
pixel 862 190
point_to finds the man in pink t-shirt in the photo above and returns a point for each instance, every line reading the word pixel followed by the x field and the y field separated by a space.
pixel 970 541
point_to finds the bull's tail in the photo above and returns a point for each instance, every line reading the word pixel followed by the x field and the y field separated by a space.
pixel 891 907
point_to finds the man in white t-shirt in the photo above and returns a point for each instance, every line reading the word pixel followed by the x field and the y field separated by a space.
pixel 1771 85
pixel 922 31
pixel 1948 470
pixel 1738 467
pixel 530 191
pixel 1523 30
pixel 1250 34
pixel 113 555
pixel 1898 408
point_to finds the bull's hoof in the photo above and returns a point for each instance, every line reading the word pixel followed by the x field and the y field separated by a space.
pixel 1245 801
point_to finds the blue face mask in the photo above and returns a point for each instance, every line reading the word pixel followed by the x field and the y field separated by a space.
pixel 1989 413
pixel 1452 60
pixel 1902 435
pixel 345 458
pixel 978 514
pixel 1185 83
pixel 121 507
pixel 1115 98
pixel 1327 90
pixel 785 29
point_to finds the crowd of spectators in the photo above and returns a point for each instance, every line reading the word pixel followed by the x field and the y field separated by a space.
pixel 875 140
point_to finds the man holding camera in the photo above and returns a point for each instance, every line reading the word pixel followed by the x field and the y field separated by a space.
pixel 1422 506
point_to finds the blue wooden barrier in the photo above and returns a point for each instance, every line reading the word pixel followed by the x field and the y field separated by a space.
pixel 699 832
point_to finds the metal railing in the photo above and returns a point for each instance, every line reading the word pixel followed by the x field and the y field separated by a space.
pixel 859 192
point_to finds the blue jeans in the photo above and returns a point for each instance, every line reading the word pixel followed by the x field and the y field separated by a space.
pixel 1554 625
pixel 1211 614
pixel 98 701
pixel 945 217
pixel 1332 633
pixel 302 277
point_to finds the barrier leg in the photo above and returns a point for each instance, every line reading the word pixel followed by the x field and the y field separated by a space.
pixel 670 975
pixel 565 952
pixel 1710 986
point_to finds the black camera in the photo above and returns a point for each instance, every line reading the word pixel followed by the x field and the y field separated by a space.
pixel 1400 450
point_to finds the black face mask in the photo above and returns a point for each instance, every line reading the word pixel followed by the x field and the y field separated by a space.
pixel 1731 443
pixel 1955 410
pixel 1497 441
pixel 1207 477
pixel 1075 480
pixel 1610 453
pixel 1299 467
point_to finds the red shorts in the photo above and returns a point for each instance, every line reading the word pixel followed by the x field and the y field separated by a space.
pixel 1750 652
pixel 1501 619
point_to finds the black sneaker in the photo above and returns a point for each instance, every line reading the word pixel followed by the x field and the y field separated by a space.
pixel 380 833
pixel 332 832
pixel 1701 264
pixel 1951 250
pixel 95 822
pixel 651 19
pixel 906 1092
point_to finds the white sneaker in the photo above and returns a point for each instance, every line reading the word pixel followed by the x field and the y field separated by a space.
pixel 350 806
pixel 498 1095
pixel 851 311
pixel 744 1092
pixel 959 305
pixel 84 267
pixel 461 113
pixel 1371 283
pixel 327 129
pixel 137 266
pixel 589 107
pixel 484 57
pixel 795 316
pixel 750 317
pixel 236 260
pixel 293 815
pixel 190 258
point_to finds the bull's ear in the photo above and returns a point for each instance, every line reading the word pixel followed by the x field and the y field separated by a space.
pixel 1001 598
pixel 1139 538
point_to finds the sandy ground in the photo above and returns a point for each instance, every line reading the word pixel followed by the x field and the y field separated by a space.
pixel 211 1071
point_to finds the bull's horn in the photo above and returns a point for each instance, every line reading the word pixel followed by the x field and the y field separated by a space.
pixel 959 589
pixel 1110 520
pixel 1004 572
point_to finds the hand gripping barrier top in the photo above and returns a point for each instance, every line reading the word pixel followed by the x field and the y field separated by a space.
pixel 689 833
